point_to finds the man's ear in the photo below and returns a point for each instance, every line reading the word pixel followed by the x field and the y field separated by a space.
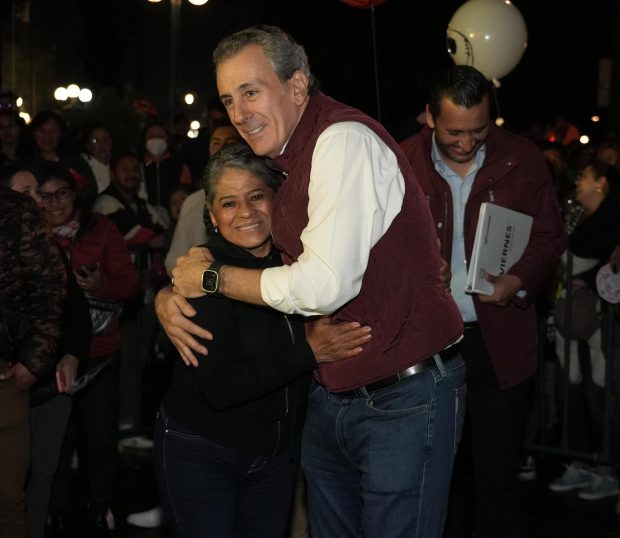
pixel 429 118
pixel 299 83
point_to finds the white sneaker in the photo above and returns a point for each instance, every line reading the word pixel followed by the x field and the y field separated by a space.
pixel 527 470
pixel 75 461
pixel 572 478
pixel 599 488
pixel 147 519
pixel 109 519
pixel 136 442
pixel 126 426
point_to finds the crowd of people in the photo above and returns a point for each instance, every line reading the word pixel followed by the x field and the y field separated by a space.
pixel 304 275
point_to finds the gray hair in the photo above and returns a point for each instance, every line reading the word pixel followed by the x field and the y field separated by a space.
pixel 238 156
pixel 283 52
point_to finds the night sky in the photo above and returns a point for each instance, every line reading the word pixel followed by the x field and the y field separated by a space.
pixel 126 44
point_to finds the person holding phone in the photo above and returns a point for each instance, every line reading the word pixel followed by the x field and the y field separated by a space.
pixel 107 276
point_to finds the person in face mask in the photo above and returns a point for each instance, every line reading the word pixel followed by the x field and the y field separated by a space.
pixel 163 171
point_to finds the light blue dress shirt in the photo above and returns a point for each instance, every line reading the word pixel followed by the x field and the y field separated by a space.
pixel 460 189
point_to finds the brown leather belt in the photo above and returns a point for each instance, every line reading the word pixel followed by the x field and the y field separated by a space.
pixel 387 382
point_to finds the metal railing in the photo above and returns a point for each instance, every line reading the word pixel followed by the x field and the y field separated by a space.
pixel 552 438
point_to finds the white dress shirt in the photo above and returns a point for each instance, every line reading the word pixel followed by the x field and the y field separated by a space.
pixel 190 230
pixel 356 190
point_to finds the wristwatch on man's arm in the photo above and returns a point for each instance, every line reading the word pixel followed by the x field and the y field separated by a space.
pixel 211 278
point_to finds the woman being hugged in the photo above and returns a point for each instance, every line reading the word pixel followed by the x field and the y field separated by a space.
pixel 228 432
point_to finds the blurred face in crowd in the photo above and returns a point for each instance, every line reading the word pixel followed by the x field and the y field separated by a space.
pixel 264 109
pixel 9 130
pixel 26 183
pixel 126 173
pixel 609 155
pixel 460 131
pixel 176 202
pixel 223 136
pixel 47 136
pixel 156 140
pixel 100 145
pixel 555 160
pixel 241 209
pixel 590 188
pixel 58 199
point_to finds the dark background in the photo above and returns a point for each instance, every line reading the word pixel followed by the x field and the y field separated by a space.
pixel 125 45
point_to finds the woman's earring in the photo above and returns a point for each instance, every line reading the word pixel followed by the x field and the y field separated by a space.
pixel 216 229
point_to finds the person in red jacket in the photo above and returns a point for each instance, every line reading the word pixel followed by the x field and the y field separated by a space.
pixel 105 272
pixel 461 160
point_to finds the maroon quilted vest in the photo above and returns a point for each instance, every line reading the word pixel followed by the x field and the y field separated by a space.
pixel 411 314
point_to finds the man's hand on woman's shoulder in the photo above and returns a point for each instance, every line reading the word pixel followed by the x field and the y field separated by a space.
pixel 174 312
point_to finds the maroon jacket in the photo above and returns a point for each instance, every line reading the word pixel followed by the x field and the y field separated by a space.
pixel 412 315
pixel 513 175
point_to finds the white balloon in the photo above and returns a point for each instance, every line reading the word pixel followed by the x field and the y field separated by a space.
pixel 489 35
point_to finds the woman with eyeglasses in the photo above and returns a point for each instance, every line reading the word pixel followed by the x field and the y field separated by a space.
pixel 106 274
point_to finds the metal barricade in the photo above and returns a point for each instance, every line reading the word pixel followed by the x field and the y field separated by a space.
pixel 553 439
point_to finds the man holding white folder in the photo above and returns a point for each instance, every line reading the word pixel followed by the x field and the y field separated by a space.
pixel 462 160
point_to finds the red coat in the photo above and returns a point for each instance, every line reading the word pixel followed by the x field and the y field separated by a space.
pixel 99 241
pixel 513 175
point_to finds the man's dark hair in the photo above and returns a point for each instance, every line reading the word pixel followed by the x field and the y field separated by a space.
pixel 221 122
pixel 215 104
pixel 121 154
pixel 464 85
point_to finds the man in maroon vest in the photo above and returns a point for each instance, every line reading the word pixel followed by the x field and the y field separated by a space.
pixel 462 160
pixel 359 242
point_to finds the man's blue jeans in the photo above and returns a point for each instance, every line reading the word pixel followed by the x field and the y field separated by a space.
pixel 379 466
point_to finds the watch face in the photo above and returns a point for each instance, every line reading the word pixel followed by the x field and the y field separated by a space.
pixel 210 281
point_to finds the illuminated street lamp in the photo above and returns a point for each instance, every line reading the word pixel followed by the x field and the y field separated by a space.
pixel 60 94
pixel 73 92
pixel 86 96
